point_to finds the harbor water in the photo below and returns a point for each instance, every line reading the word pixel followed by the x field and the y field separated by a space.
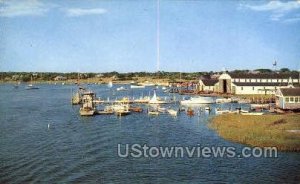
pixel 44 139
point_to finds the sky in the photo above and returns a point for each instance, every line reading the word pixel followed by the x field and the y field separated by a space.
pixel 148 35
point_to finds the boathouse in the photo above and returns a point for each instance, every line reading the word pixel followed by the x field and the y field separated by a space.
pixel 249 83
pixel 288 98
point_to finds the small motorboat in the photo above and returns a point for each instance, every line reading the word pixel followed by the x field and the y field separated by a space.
pixel 252 113
pixel 161 109
pixel 223 100
pixel 31 86
pixel 122 112
pixel 172 112
pixel 198 100
pixel 207 108
pixel 121 89
pixel 136 86
pixel 153 113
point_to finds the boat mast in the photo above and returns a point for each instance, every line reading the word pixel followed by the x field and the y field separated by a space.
pixel 157 37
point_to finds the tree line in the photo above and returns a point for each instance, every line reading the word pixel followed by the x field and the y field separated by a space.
pixel 49 76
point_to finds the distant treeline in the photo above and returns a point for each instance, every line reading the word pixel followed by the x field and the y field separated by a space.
pixel 49 76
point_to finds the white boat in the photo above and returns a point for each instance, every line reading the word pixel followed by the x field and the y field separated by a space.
pixel 218 111
pixel 142 100
pixel 252 113
pixel 121 89
pixel 164 88
pixel 110 84
pixel 136 86
pixel 122 112
pixel 161 109
pixel 120 107
pixel 156 100
pixel 207 108
pixel 151 112
pixel 198 100
pixel 172 112
pixel 31 86
pixel 223 100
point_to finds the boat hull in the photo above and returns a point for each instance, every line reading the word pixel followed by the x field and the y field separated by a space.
pixel 199 100
pixel 87 112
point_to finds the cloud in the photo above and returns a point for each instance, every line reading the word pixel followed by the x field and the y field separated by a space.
pixel 276 6
pixel 75 12
pixel 14 8
pixel 278 10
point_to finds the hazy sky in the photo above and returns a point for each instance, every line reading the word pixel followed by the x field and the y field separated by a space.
pixel 104 35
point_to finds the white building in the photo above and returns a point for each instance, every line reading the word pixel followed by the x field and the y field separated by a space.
pixel 249 83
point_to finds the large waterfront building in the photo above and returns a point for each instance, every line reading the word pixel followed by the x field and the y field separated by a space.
pixel 248 83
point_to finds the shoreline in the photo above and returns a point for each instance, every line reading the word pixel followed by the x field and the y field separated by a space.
pixel 279 131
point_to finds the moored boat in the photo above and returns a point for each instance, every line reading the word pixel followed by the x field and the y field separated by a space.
pixel 122 88
pixel 156 100
pixel 198 100
pixel 172 112
pixel 136 86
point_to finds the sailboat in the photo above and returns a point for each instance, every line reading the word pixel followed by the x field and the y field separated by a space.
pixel 31 86
pixel 156 100
pixel 110 84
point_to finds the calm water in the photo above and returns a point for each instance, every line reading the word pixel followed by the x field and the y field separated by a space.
pixel 84 149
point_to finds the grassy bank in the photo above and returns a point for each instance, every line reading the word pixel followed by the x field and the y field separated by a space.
pixel 262 131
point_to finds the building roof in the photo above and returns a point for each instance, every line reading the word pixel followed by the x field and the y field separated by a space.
pixel 290 91
pixel 209 82
pixel 293 75
pixel 260 84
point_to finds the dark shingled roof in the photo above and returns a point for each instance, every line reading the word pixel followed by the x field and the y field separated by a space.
pixel 259 84
pixel 290 91
pixel 293 75
pixel 209 82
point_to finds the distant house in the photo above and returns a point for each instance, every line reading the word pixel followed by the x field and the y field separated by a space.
pixel 249 83
pixel 288 98
pixel 99 75
pixel 60 78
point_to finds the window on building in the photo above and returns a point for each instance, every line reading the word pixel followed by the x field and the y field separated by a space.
pixel 292 99
pixel 287 99
pixel 260 80
pixel 275 88
pixel 252 88
pixel 241 88
pixel 296 99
